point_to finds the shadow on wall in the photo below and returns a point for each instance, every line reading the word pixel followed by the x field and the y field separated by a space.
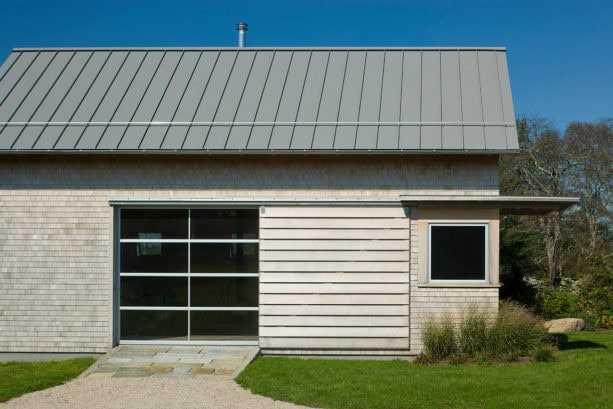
pixel 250 172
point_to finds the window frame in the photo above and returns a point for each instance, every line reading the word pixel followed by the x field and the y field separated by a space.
pixel 486 279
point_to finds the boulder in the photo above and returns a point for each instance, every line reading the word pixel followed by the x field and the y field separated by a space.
pixel 565 325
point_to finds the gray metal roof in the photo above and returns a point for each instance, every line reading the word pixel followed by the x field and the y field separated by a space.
pixel 229 100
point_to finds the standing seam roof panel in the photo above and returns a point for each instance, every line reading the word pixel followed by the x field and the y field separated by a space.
pixel 7 65
pixel 186 111
pixel 25 85
pixel 254 88
pixel 93 99
pixel 215 87
pixel 46 81
pixel 176 87
pixel 431 104
pixel 451 100
pixel 16 71
pixel 456 100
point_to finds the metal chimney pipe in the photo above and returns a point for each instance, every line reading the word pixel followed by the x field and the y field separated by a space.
pixel 242 32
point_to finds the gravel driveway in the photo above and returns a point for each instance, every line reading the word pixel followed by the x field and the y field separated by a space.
pixel 131 393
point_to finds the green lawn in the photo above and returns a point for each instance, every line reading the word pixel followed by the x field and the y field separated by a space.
pixel 582 378
pixel 17 378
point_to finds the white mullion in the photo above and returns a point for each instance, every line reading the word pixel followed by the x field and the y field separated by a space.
pixel 225 240
pixel 224 308
pixel 170 342
pixel 141 308
pixel 224 275
pixel 153 241
pixel 153 274
pixel 189 240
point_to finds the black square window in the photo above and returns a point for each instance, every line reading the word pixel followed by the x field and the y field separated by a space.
pixel 458 252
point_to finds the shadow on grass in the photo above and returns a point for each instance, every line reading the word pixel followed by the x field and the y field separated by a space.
pixel 564 344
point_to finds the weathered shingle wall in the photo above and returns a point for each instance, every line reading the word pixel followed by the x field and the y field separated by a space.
pixel 56 223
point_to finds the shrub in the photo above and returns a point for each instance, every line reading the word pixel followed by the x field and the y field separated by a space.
pixel 515 332
pixel 553 304
pixel 458 358
pixel 474 332
pixel 439 339
pixel 544 353
pixel 483 358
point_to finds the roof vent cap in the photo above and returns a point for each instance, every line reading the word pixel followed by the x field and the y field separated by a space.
pixel 242 33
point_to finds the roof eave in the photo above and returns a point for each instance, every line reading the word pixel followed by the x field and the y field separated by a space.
pixel 259 152
pixel 518 205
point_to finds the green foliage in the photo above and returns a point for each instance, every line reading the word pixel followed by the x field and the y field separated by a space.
pixel 552 304
pixel 596 293
pixel 439 338
pixel 581 378
pixel 515 332
pixel 474 332
pixel 24 377
pixel 577 244
pixel 544 353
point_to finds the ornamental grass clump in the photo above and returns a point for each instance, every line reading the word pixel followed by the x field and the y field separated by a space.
pixel 474 332
pixel 515 332
pixel 440 341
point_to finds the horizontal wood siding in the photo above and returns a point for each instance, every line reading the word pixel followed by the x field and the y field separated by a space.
pixel 334 278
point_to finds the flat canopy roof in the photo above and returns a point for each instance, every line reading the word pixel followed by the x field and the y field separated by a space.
pixel 538 205
pixel 257 100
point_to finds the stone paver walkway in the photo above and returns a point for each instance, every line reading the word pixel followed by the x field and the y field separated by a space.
pixel 160 361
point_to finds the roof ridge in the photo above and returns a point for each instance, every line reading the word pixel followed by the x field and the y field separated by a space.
pixel 317 48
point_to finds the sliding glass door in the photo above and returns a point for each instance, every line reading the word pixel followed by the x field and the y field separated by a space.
pixel 188 275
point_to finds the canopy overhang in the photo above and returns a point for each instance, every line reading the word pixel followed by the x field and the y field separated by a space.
pixel 539 205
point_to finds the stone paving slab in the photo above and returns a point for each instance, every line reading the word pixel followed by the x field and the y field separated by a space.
pixel 134 361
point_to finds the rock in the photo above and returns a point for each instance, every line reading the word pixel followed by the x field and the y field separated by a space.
pixel 564 325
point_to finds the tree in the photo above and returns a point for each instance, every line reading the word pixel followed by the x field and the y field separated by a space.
pixel 577 163
pixel 592 177
pixel 541 168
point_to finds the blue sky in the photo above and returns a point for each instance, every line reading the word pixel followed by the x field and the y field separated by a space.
pixel 560 52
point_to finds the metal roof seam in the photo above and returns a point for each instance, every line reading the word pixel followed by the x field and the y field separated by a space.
pixel 289 67
pixel 140 100
pixel 9 92
pixel 400 96
pixel 91 54
pixel 157 108
pixel 306 75
pixel 481 98
pixel 42 101
pixel 10 64
pixel 174 114
pixel 257 107
pixel 25 97
pixel 123 96
pixel 421 96
pixel 95 111
pixel 91 84
pixel 440 79
pixel 239 101
pixel 357 128
pixel 380 101
pixel 461 101
pixel 321 94
pixel 208 80
pixel 501 99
